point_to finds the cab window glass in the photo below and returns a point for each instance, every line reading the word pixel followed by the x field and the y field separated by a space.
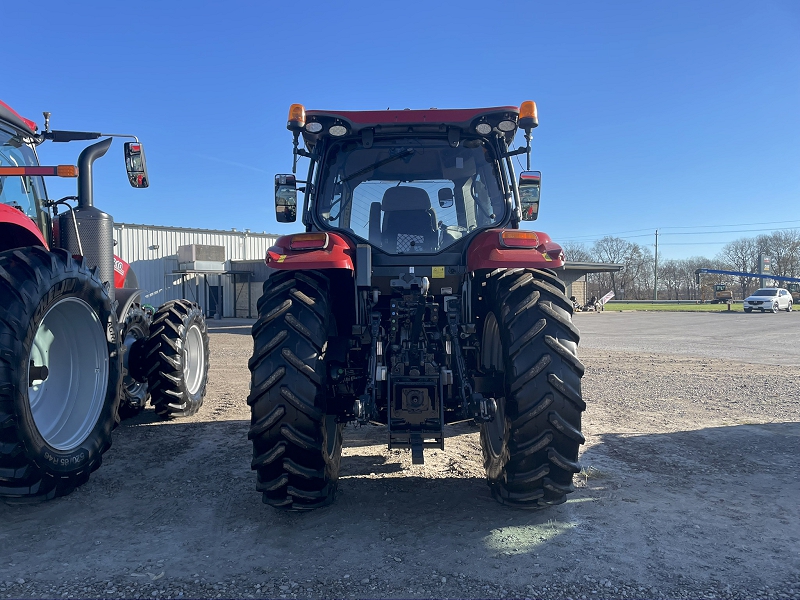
pixel 21 192
pixel 410 195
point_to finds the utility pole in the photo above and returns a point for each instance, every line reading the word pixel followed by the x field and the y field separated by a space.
pixel 655 272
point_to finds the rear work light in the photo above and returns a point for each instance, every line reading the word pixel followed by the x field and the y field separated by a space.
pixel 309 241
pixel 483 128
pixel 514 238
pixel 507 125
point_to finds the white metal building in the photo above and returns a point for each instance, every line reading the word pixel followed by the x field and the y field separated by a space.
pixel 152 251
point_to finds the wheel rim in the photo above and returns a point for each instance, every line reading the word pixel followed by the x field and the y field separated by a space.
pixel 66 401
pixel 193 359
pixel 492 359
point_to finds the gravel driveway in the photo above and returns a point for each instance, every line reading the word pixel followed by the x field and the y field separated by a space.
pixel 690 488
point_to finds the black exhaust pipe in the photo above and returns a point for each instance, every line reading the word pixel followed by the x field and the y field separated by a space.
pixel 85 230
pixel 85 161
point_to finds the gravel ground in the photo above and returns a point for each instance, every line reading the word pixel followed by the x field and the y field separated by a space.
pixel 690 489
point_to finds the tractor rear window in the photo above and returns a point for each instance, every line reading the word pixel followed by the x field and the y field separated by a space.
pixel 22 193
pixel 410 195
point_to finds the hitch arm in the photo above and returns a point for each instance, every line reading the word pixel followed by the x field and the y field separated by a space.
pixel 474 405
pixel 365 404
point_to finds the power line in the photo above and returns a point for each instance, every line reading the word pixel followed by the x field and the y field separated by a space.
pixel 734 225
pixel 582 239
pixel 602 235
pixel 728 231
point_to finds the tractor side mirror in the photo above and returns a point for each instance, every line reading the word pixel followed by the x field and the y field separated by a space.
pixel 446 198
pixel 530 183
pixel 136 165
pixel 285 198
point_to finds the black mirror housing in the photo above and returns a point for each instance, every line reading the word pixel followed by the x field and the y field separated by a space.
pixel 285 198
pixel 530 184
pixel 136 165
pixel 446 198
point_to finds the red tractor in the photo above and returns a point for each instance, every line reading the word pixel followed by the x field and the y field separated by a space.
pixel 414 300
pixel 77 350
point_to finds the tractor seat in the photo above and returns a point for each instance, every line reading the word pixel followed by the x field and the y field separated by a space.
pixel 409 222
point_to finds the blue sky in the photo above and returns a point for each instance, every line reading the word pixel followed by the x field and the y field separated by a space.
pixel 663 115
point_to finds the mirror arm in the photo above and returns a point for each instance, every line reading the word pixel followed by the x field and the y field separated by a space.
pixel 528 138
pixel 510 153
pixel 296 149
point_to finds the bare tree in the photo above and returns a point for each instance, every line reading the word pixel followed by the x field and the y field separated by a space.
pixel 576 252
pixel 783 247
pixel 741 255
pixel 636 275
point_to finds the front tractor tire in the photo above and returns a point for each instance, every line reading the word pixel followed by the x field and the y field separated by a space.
pixel 297 447
pixel 530 449
pixel 60 372
pixel 175 359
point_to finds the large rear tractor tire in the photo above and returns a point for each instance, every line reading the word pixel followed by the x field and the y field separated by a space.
pixel 60 372
pixel 530 449
pixel 297 447
pixel 135 331
pixel 176 359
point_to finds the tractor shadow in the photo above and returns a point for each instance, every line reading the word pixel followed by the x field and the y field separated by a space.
pixel 188 496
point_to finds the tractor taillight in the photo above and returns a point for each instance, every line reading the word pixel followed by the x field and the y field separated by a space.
pixel 297 117
pixel 514 238
pixel 309 241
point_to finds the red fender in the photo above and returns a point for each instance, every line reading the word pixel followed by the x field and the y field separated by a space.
pixel 337 254
pixel 486 252
pixel 18 230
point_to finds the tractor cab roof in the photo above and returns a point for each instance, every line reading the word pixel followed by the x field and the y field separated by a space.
pixel 9 115
pixel 481 121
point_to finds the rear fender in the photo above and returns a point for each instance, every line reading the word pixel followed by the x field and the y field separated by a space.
pixel 18 230
pixel 486 252
pixel 126 298
pixel 338 254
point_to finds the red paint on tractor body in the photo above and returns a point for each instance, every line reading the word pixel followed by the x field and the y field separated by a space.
pixel 31 124
pixel 121 269
pixel 485 252
pixel 16 225
pixel 337 255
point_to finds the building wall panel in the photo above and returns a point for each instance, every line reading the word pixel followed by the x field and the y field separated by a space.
pixel 152 252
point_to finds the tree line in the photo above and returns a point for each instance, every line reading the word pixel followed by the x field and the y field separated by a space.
pixel 676 278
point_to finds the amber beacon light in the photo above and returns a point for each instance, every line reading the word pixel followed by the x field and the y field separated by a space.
pixel 528 115
pixel 297 117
